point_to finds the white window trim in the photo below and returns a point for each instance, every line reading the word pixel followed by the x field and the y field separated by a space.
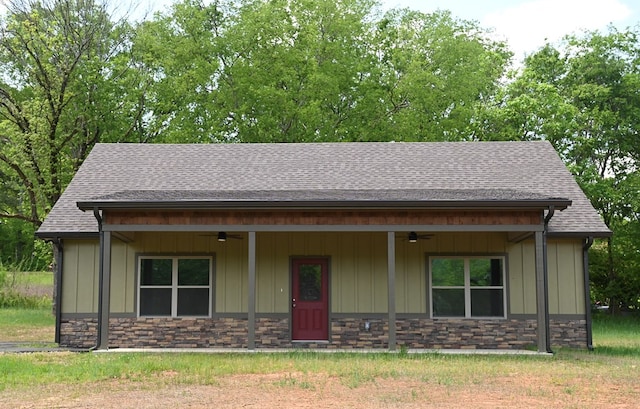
pixel 467 286
pixel 174 285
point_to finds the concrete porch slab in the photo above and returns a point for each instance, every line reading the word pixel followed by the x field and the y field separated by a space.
pixel 328 351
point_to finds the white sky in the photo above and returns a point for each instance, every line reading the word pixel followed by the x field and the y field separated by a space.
pixel 525 24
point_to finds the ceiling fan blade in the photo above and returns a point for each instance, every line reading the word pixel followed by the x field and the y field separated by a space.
pixel 227 236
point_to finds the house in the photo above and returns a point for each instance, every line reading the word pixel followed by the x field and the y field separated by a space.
pixel 323 245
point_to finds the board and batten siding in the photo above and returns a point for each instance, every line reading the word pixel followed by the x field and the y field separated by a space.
pixel 566 280
pixel 566 277
pixel 80 276
pixel 358 269
pixel 81 266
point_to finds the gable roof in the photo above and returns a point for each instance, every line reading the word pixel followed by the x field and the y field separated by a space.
pixel 429 174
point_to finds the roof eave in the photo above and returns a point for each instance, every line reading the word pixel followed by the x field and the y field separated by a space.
pixel 52 235
pixel 558 204
pixel 580 234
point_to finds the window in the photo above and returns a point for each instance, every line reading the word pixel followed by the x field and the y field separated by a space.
pixel 467 287
pixel 175 286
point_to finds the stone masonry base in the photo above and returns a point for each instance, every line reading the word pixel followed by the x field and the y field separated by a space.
pixel 345 333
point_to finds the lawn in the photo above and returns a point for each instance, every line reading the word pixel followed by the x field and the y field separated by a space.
pixel 27 325
pixel 616 334
pixel 33 289
pixel 569 379
pixel 25 280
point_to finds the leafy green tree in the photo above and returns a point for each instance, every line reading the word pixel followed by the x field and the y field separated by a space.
pixel 64 88
pixel 434 70
pixel 300 70
pixel 583 97
pixel 67 83
pixel 314 70
pixel 181 55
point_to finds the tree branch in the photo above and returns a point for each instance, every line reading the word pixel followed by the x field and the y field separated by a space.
pixel 35 222
pixel 33 202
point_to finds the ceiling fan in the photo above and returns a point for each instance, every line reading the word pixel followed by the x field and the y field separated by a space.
pixel 413 237
pixel 222 236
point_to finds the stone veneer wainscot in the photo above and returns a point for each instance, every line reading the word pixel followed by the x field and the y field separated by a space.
pixel 346 333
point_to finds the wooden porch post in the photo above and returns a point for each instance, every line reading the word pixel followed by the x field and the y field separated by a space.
pixel 541 299
pixel 391 268
pixel 251 343
pixel 104 290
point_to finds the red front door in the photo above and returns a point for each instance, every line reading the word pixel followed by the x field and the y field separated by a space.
pixel 310 300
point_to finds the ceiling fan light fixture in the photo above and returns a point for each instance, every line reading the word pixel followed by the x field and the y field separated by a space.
pixel 413 237
pixel 222 236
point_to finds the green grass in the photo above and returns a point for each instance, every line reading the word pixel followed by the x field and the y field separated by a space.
pixel 41 278
pixel 27 325
pixel 25 306
pixel 616 335
pixel 27 278
pixel 352 370
pixel 34 318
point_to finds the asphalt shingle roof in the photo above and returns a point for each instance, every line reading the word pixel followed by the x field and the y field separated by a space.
pixel 456 171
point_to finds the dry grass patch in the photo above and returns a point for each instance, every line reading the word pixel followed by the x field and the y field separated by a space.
pixel 305 380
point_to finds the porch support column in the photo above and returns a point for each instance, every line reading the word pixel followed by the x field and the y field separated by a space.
pixel 59 249
pixel 391 269
pixel 104 290
pixel 542 303
pixel 251 343
pixel 587 293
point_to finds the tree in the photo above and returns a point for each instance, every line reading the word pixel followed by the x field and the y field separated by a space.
pixel 583 97
pixel 63 90
pixel 67 84
pixel 181 55
pixel 434 71
pixel 314 70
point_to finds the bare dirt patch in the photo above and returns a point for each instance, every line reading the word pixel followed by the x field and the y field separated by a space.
pixel 284 390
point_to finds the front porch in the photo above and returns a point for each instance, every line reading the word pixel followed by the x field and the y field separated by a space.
pixel 379 297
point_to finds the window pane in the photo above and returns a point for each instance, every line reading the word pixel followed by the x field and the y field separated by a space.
pixel 193 301
pixel 193 271
pixel 310 282
pixel 155 271
pixel 487 303
pixel 485 271
pixel 447 272
pixel 448 303
pixel 155 301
